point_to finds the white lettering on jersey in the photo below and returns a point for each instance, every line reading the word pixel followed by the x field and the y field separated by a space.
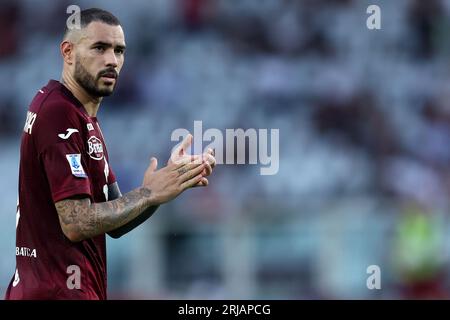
pixel 90 126
pixel 68 134
pixel 106 170
pixel 105 187
pixel 17 213
pixel 31 118
pixel 16 278
pixel 26 252
pixel 75 165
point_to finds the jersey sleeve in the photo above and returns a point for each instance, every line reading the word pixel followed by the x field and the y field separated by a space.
pixel 111 176
pixel 65 171
pixel 57 136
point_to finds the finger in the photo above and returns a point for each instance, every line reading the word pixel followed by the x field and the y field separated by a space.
pixel 208 170
pixel 203 183
pixel 212 152
pixel 186 159
pixel 194 160
pixel 153 164
pixel 191 173
pixel 184 145
pixel 192 182
pixel 210 159
pixel 189 167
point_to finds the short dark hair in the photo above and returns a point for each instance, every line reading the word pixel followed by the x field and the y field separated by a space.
pixel 95 14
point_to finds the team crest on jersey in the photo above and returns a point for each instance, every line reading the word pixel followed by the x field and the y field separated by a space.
pixel 95 146
pixel 75 165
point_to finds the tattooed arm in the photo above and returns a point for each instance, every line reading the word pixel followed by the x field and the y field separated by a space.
pixel 80 219
pixel 114 193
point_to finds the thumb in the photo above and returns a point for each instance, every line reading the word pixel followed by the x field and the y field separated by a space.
pixel 153 164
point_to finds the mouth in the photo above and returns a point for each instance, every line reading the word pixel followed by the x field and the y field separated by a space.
pixel 109 76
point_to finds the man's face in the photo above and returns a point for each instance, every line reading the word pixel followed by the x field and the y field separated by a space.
pixel 99 56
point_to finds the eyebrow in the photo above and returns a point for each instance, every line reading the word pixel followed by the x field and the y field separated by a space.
pixel 108 45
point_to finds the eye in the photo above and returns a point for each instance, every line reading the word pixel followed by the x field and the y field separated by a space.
pixel 100 49
pixel 119 51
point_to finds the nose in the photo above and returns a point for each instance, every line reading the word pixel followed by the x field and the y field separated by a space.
pixel 111 59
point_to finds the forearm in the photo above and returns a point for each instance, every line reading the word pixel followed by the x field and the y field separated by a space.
pixel 120 231
pixel 114 193
pixel 81 219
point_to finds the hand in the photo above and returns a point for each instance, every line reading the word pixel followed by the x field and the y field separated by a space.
pixel 208 157
pixel 182 172
pixel 168 182
pixel 210 163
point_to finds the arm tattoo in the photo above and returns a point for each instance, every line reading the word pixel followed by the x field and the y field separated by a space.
pixel 80 219
pixel 114 193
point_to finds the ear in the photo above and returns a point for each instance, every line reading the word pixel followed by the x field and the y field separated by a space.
pixel 66 48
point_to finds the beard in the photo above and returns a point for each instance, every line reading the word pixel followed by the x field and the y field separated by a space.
pixel 90 84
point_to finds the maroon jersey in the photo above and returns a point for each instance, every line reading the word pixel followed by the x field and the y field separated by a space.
pixel 62 155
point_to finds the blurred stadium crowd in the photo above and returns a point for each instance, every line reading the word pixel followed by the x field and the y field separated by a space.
pixel 364 125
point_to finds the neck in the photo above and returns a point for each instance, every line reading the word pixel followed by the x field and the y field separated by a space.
pixel 90 103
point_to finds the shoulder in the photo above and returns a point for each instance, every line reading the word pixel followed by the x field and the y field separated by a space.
pixel 58 120
pixel 57 107
pixel 54 98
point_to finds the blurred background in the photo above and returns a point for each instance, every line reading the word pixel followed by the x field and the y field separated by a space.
pixel 364 120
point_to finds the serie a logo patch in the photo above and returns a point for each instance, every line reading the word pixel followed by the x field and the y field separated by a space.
pixel 75 165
